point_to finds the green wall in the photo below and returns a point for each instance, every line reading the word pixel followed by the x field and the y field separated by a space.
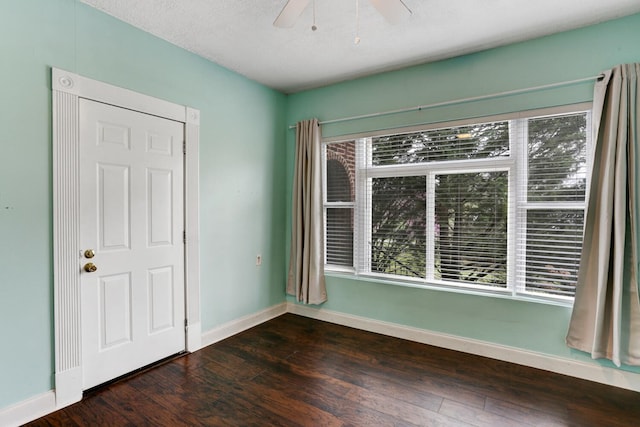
pixel 242 171
pixel 559 58
pixel 245 169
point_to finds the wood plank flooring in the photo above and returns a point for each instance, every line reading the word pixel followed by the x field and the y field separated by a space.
pixel 295 371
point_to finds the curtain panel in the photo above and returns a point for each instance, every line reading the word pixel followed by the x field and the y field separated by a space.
pixel 605 321
pixel 306 262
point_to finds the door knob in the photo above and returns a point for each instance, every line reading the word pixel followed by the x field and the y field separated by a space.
pixel 89 253
pixel 90 267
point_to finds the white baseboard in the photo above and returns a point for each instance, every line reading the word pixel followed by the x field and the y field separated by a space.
pixel 28 410
pixel 46 403
pixel 564 366
pixel 238 325
pixel 68 387
pixel 194 337
pixel 38 406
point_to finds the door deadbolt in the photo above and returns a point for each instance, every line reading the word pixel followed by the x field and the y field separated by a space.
pixel 90 267
pixel 89 253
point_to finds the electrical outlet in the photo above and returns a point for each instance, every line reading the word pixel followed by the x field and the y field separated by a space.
pixel 258 260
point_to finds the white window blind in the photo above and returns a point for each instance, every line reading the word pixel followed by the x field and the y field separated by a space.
pixel 479 141
pixel 339 198
pixel 495 206
pixel 471 216
pixel 554 203
pixel 398 225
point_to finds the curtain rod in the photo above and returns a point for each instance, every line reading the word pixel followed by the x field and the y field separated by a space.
pixel 458 101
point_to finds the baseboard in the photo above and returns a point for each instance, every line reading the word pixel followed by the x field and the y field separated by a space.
pixel 68 387
pixel 194 337
pixel 28 410
pixel 238 325
pixel 564 366
pixel 46 403
pixel 38 406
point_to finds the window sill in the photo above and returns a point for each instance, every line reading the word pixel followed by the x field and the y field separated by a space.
pixel 491 293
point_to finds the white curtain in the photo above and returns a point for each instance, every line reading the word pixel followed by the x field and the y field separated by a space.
pixel 606 315
pixel 306 261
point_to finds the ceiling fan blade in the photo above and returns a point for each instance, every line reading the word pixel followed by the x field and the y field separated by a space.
pixel 394 11
pixel 290 13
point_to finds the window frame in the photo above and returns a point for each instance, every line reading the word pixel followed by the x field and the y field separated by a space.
pixel 337 205
pixel 516 166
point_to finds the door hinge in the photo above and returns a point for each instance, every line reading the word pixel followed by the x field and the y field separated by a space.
pixel 184 147
pixel 184 237
pixel 186 323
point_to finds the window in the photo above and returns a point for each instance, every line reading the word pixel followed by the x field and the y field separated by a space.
pixel 339 203
pixel 495 205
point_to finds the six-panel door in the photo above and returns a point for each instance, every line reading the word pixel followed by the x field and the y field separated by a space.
pixel 132 210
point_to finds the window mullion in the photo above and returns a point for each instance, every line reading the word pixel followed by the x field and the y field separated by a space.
pixel 362 232
pixel 430 226
pixel 520 151
pixel 323 153
pixel 590 155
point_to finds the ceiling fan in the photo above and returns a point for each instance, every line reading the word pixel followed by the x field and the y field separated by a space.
pixel 394 11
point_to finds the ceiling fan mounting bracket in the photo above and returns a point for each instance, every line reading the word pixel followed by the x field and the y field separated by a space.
pixel 394 11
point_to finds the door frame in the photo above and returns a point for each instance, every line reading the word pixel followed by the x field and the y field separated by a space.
pixel 67 89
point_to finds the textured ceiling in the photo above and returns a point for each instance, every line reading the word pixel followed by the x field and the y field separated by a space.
pixel 239 35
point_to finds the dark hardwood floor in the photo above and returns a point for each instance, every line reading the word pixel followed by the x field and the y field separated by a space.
pixel 294 371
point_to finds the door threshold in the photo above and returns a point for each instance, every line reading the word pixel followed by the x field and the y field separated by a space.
pixel 99 387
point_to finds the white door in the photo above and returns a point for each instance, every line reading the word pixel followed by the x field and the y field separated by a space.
pixel 132 210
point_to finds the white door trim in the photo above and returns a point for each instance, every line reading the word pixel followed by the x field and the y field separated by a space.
pixel 67 89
